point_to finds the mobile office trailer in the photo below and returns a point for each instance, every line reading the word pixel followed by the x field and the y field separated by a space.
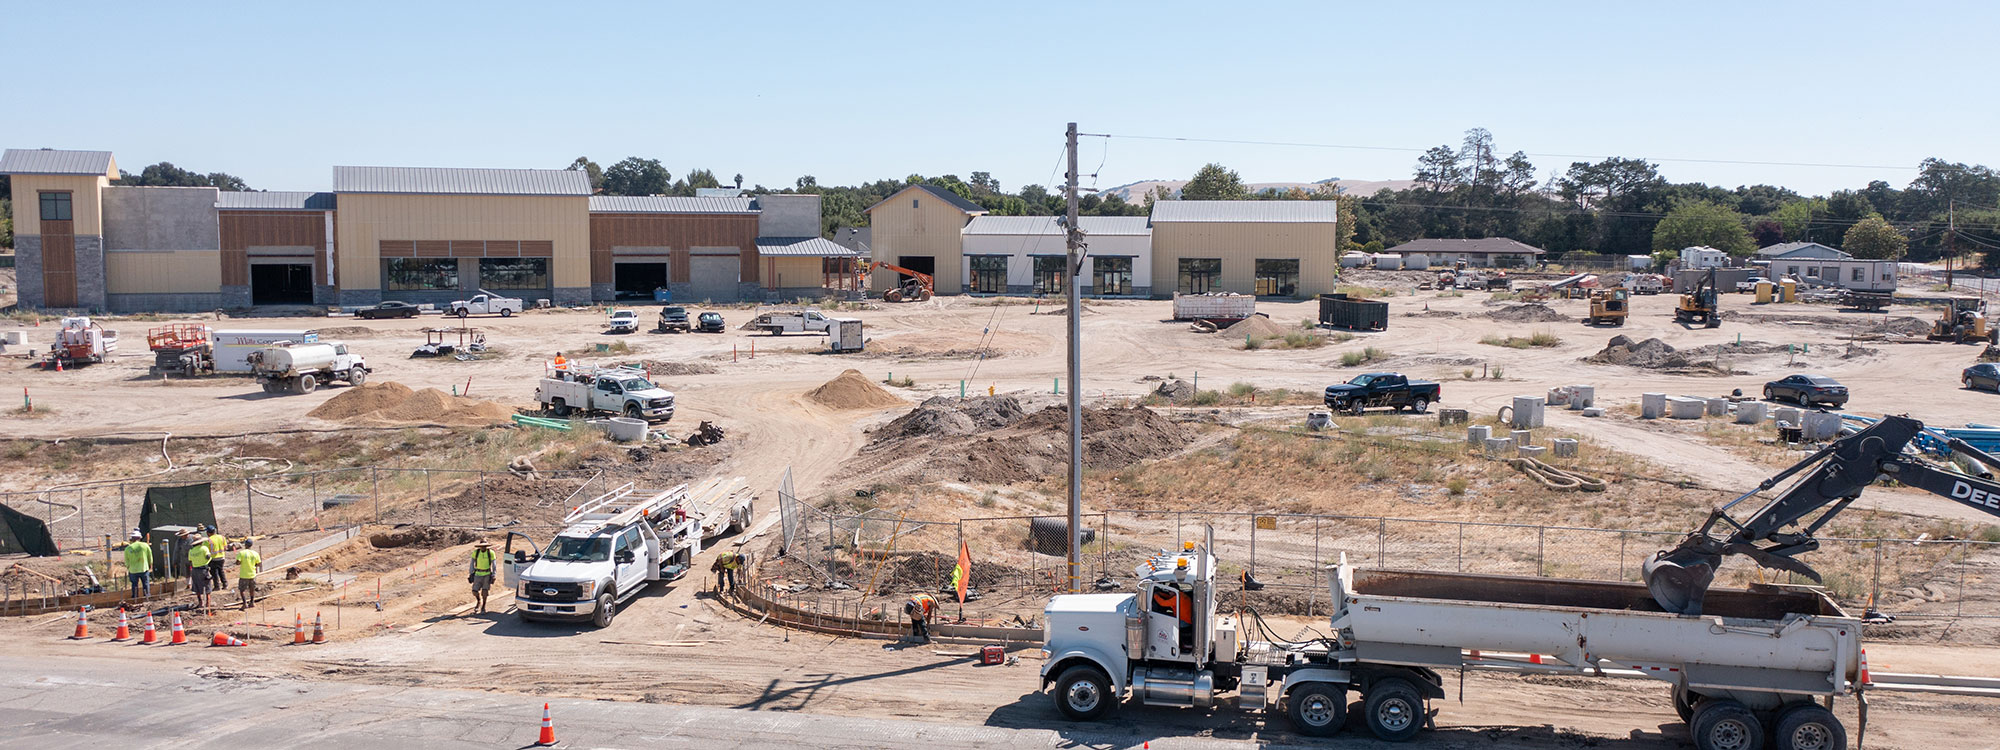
pixel 233 348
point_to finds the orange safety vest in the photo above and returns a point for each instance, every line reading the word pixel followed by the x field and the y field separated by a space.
pixel 924 602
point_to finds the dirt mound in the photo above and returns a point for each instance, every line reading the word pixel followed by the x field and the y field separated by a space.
pixel 393 402
pixel 1032 447
pixel 1064 310
pixel 1256 325
pixel 1908 326
pixel 1175 390
pixel 1526 314
pixel 359 400
pixel 662 368
pixel 337 333
pixel 910 352
pixel 852 390
pixel 944 416
pixel 1654 354
pixel 427 537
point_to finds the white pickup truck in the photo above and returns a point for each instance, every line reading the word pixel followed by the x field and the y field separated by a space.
pixel 611 390
pixel 623 321
pixel 792 321
pixel 618 543
pixel 486 303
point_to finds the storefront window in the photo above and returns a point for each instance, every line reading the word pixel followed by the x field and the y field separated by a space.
pixel 1277 277
pixel 1114 275
pixel 1200 275
pixel 418 274
pixel 514 273
pixel 989 274
pixel 1049 274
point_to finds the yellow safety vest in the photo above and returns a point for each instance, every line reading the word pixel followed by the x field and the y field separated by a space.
pixel 138 557
pixel 732 561
pixel 217 544
pixel 247 561
pixel 198 554
pixel 482 562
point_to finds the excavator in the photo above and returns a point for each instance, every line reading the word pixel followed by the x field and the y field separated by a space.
pixel 1833 478
pixel 917 287
pixel 1699 304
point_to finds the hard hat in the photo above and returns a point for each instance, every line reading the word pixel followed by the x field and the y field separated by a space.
pixel 136 535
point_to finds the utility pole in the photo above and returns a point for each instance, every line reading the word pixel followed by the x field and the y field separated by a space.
pixel 1950 242
pixel 1075 242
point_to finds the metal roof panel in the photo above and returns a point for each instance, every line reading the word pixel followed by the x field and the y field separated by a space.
pixel 802 247
pixel 274 200
pixel 1292 212
pixel 668 204
pixel 455 181
pixel 55 161
pixel 1101 226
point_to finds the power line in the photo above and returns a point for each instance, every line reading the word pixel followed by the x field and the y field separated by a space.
pixel 1406 149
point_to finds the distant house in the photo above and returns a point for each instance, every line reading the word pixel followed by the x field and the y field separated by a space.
pixel 1700 257
pixel 1495 252
pixel 1801 251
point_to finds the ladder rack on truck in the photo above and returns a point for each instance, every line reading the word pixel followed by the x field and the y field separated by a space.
pixel 624 506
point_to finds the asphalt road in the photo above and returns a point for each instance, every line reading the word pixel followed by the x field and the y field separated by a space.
pixel 57 702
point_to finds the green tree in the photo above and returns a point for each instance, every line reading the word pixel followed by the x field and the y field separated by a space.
pixel 701 178
pixel 165 174
pixel 739 180
pixel 588 167
pixel 1708 223
pixel 1874 239
pixel 1215 182
pixel 635 176
pixel 1438 170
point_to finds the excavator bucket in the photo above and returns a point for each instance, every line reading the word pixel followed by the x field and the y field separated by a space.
pixel 1679 578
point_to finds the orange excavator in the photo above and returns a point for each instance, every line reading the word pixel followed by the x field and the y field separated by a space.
pixel 917 287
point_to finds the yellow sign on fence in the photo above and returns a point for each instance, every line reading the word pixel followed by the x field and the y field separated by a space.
pixel 1267 522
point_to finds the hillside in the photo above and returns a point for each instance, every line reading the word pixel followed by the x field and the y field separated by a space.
pixel 1136 191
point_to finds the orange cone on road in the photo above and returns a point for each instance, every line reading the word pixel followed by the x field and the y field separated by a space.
pixel 124 627
pixel 82 625
pixel 151 634
pixel 548 728
pixel 225 639
pixel 180 635
pixel 319 632
pixel 1865 679
pixel 298 628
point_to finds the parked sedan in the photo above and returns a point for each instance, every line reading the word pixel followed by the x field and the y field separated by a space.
pixel 709 322
pixel 1807 390
pixel 390 309
pixel 1981 377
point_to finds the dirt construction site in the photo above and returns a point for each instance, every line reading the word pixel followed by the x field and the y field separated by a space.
pixel 872 470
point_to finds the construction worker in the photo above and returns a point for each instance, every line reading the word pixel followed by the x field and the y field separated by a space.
pixel 481 576
pixel 139 565
pixel 920 608
pixel 562 366
pixel 247 562
pixel 725 569
pixel 199 557
pixel 218 546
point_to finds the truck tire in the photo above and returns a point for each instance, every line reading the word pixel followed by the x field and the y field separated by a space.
pixel 1083 693
pixel 1726 725
pixel 1394 710
pixel 1317 709
pixel 306 384
pixel 632 410
pixel 1420 405
pixel 1770 395
pixel 1357 408
pixel 357 376
pixel 462 312
pixel 1806 726
pixel 607 609
pixel 561 409
pixel 506 312
pixel 1684 703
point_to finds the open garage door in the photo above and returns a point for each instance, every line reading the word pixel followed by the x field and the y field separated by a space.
pixel 714 277
pixel 637 280
pixel 281 284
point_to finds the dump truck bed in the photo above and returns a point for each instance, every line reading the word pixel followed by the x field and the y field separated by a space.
pixel 1764 639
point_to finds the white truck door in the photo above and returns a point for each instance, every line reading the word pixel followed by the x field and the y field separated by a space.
pixel 607 396
pixel 627 555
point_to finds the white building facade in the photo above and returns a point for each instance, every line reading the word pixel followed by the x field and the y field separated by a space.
pixel 1027 254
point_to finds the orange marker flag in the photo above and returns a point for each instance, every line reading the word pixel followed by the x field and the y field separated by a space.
pixel 962 574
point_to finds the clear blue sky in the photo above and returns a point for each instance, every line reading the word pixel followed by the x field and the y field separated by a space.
pixel 277 93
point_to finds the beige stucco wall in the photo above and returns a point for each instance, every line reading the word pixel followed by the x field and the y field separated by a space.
pixel 86 203
pixel 1240 245
pixel 795 272
pixel 364 219
pixel 154 272
pixel 931 228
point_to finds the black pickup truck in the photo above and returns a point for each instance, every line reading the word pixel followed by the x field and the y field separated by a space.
pixel 1378 389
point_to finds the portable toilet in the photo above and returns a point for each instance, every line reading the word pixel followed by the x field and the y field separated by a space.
pixel 1788 290
pixel 1764 289
pixel 845 335
pixel 1354 260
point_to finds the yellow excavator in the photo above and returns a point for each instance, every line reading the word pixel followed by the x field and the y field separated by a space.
pixel 1699 304
pixel 1964 322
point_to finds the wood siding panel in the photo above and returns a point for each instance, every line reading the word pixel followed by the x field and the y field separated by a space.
pixel 503 249
pixel 433 248
pixel 397 249
pixel 58 263
pixel 676 231
pixel 468 248
pixel 242 230
pixel 560 224
pixel 538 249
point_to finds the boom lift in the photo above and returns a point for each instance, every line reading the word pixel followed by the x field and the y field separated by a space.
pixel 1679 578
pixel 918 287
pixel 1699 304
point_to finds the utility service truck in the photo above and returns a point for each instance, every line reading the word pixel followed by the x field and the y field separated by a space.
pixel 486 303
pixel 617 544
pixel 792 321
pixel 609 390
pixel 302 368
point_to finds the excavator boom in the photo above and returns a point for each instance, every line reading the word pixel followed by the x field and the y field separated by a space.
pixel 1831 480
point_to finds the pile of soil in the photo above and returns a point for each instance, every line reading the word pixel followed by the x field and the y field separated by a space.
pixel 1064 310
pixel 425 537
pixel 1990 354
pixel 1908 326
pixel 664 369
pixel 1256 325
pixel 1175 390
pixel 505 499
pixel 395 403
pixel 1527 314
pixel 1654 354
pixel 1030 448
pixel 945 416
pixel 852 390
pixel 1401 281
pixel 337 333
pixel 909 352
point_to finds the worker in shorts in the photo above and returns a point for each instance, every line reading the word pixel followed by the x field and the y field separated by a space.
pixel 481 576
pixel 247 563
pixel 139 565
pixel 920 609
pixel 198 572
pixel 218 547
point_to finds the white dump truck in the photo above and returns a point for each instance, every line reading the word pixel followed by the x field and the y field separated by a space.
pixel 486 303
pixel 1756 660
pixel 792 321
pixel 620 542
pixel 302 368
pixel 608 390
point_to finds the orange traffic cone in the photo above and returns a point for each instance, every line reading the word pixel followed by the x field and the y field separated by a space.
pixel 225 639
pixel 319 632
pixel 124 627
pixel 548 728
pixel 1865 679
pixel 179 635
pixel 82 625
pixel 151 634
pixel 298 628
